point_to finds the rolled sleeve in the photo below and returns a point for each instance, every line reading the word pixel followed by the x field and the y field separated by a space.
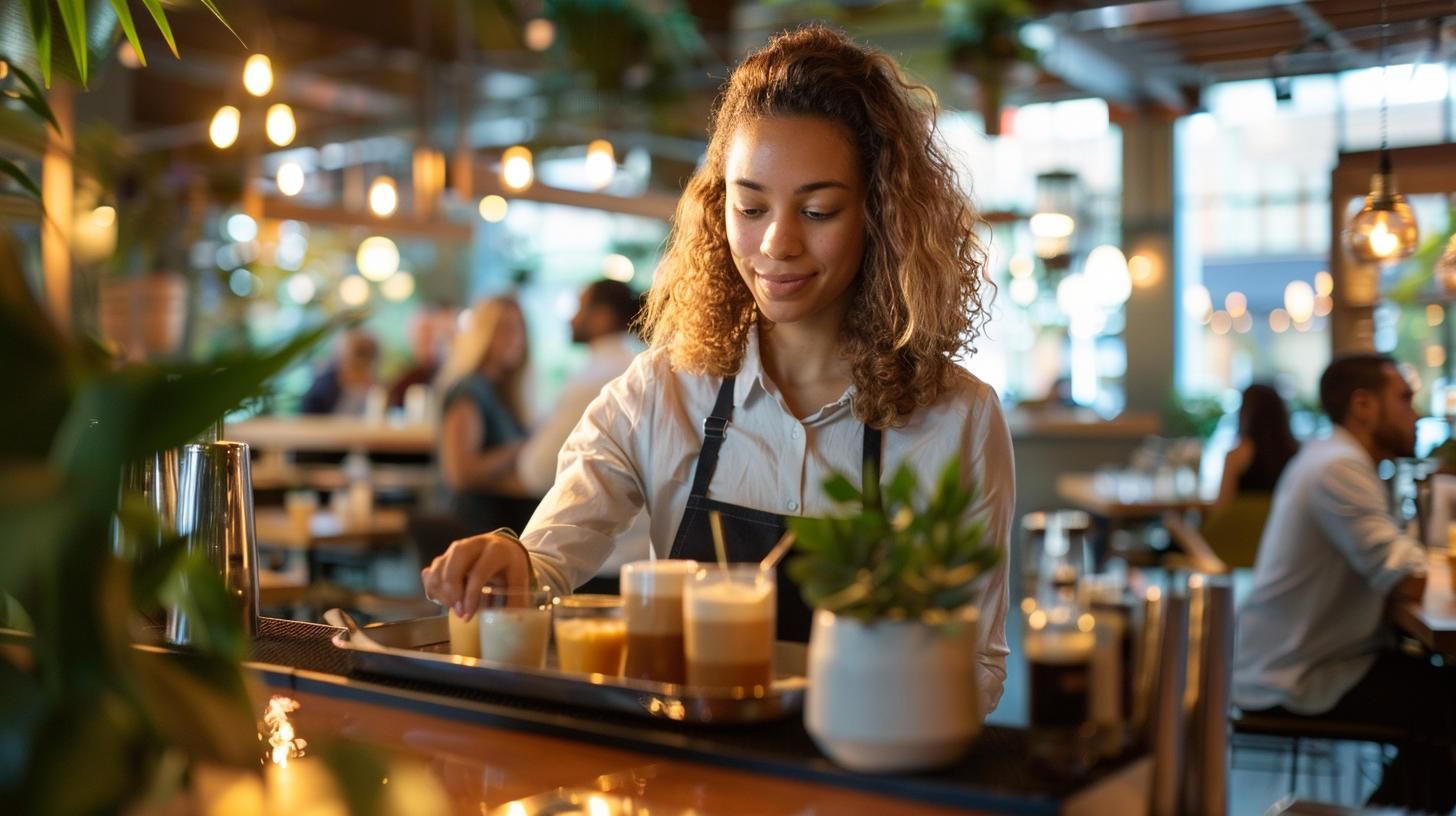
pixel 1348 503
pixel 987 462
pixel 597 493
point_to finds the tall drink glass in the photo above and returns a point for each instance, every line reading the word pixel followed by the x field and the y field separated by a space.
pixel 652 594
pixel 728 626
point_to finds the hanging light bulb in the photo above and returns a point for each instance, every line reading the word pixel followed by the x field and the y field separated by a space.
pixel 280 125
pixel 601 163
pixel 1385 228
pixel 290 178
pixel 517 173
pixel 258 75
pixel 383 197
pixel 224 128
pixel 493 208
pixel 377 258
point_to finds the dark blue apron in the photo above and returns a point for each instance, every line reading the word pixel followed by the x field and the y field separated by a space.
pixel 748 534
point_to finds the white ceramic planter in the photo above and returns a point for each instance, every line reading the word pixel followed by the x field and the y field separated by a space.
pixel 890 697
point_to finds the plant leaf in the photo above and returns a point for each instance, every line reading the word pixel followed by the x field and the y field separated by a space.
pixel 160 16
pixel 841 490
pixel 35 99
pixel 73 20
pixel 199 703
pixel 212 7
pixel 40 32
pixel 128 26
pixel 13 170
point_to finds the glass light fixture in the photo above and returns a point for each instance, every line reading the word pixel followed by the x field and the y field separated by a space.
pixel 224 128
pixel 280 125
pixel 377 258
pixel 517 172
pixel 601 163
pixel 290 178
pixel 493 208
pixel 258 75
pixel 1385 228
pixel 1055 221
pixel 383 197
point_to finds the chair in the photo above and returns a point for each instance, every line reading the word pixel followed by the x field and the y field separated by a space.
pixel 1233 532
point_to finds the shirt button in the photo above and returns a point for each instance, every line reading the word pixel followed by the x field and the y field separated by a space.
pixel 793 506
pixel 796 433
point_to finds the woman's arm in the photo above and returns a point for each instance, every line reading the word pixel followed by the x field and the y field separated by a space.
pixel 987 461
pixel 1234 464
pixel 464 465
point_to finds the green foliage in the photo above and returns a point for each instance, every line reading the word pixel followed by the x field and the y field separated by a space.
pixel 1193 416
pixel 85 24
pixel 885 558
pixel 78 702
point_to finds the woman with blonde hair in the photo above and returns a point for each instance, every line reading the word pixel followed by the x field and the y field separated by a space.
pixel 821 284
pixel 482 427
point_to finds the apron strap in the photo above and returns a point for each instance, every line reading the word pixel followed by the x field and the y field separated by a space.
pixel 873 443
pixel 713 434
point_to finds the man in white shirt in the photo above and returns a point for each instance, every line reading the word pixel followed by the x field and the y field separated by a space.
pixel 1313 639
pixel 602 322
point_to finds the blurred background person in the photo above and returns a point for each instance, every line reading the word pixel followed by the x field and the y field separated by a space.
pixel 1264 448
pixel 430 332
pixel 482 427
pixel 343 386
pixel 603 322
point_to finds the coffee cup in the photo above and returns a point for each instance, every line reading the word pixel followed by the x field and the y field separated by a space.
pixel 728 626
pixel 652 596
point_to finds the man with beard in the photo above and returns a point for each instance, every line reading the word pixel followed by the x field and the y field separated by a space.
pixel 1313 639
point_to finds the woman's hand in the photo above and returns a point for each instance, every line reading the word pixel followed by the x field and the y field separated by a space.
pixel 456 578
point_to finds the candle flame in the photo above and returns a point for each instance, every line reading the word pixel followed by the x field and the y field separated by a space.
pixel 283 744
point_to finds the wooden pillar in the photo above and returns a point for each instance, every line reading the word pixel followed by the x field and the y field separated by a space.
pixel 57 191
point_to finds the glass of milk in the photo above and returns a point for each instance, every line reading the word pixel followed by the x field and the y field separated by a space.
pixel 515 626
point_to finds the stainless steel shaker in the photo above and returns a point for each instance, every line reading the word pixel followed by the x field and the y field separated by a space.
pixel 215 514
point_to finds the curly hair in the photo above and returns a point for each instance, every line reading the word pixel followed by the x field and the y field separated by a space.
pixel 919 302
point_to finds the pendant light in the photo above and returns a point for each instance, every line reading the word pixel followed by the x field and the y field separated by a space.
pixel 1385 228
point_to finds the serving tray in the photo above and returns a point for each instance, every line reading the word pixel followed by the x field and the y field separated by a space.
pixel 418 649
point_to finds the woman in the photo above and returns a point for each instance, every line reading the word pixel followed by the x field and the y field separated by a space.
pixel 822 278
pixel 1265 446
pixel 481 430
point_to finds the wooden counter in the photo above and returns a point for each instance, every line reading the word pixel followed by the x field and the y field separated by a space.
pixel 489 751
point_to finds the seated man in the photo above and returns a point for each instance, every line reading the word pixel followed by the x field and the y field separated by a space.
pixel 1312 637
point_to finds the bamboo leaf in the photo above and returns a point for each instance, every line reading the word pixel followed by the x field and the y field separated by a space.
pixel 212 7
pixel 160 16
pixel 13 170
pixel 73 20
pixel 40 31
pixel 35 98
pixel 128 26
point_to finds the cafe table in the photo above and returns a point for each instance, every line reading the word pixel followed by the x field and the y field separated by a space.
pixel 332 433
pixel 1433 620
pixel 1100 497
pixel 495 754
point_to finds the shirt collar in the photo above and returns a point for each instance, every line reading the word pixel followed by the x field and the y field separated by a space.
pixel 751 375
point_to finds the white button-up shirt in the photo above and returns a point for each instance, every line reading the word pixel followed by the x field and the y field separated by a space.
pixel 637 446
pixel 609 358
pixel 1329 557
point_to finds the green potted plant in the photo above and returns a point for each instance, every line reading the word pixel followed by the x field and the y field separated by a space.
pixel 894 583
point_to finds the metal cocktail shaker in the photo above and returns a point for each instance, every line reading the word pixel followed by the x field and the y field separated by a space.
pixel 215 514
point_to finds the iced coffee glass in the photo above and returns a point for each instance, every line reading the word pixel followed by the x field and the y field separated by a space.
pixel 591 637
pixel 652 594
pixel 515 626
pixel 728 626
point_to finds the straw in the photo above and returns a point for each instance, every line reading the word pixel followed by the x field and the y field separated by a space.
pixel 715 521
pixel 772 559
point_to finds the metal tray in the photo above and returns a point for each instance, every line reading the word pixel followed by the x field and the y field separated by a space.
pixel 418 649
